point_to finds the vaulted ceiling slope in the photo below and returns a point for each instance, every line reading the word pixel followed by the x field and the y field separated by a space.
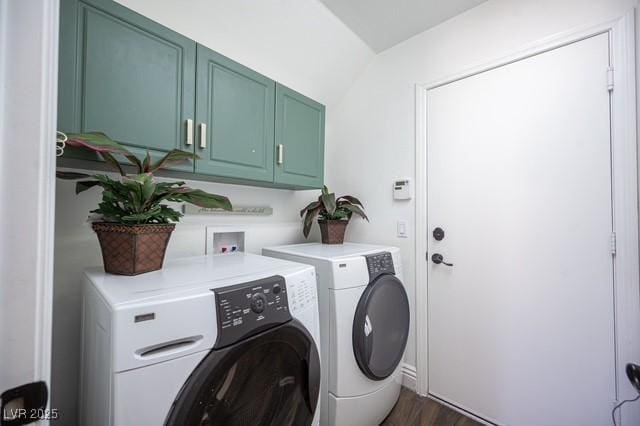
pixel 299 43
pixel 384 23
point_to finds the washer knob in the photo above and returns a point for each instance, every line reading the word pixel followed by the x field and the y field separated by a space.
pixel 258 303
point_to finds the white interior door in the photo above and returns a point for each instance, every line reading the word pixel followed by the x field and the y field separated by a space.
pixel 521 327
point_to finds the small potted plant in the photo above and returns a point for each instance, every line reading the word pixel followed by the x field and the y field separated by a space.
pixel 135 226
pixel 334 215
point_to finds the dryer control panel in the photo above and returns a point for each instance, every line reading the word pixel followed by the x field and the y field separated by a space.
pixel 249 308
pixel 379 263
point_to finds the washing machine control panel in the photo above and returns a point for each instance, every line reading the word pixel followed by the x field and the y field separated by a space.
pixel 249 308
pixel 379 263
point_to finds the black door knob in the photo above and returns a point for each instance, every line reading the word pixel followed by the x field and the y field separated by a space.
pixel 438 259
pixel 438 234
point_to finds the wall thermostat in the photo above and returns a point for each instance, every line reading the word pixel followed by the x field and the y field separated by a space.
pixel 402 189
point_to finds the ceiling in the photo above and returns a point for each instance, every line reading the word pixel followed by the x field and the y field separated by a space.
pixel 385 23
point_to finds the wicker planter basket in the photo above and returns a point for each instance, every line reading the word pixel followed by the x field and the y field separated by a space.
pixel 332 231
pixel 132 249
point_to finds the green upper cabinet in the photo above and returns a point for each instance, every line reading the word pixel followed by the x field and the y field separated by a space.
pixel 299 142
pixel 148 87
pixel 126 76
pixel 235 119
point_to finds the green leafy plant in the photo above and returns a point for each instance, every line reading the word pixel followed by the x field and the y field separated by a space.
pixel 137 198
pixel 328 207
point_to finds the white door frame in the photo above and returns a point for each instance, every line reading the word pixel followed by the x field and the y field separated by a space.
pixel 625 191
pixel 28 111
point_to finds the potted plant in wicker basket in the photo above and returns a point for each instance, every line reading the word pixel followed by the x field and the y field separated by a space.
pixel 135 226
pixel 334 215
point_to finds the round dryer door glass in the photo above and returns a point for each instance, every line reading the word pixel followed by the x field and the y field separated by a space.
pixel 272 378
pixel 381 327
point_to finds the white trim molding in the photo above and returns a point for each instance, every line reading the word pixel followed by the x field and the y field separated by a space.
pixel 625 161
pixel 28 111
pixel 421 303
pixel 409 376
pixel 625 200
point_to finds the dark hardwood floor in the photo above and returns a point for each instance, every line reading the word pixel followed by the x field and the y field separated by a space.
pixel 412 409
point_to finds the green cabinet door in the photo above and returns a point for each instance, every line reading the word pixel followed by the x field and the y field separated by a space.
pixel 126 76
pixel 299 140
pixel 235 119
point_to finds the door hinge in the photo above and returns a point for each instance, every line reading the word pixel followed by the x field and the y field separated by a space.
pixel 610 79
pixel 613 243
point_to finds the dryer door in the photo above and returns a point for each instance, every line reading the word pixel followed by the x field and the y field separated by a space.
pixel 272 378
pixel 381 327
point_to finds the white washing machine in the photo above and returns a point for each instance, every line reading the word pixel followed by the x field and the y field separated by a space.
pixel 364 325
pixel 214 340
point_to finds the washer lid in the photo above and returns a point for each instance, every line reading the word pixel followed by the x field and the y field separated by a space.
pixel 381 327
pixel 200 273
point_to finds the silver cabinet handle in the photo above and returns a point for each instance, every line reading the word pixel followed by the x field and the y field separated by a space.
pixel 189 140
pixel 203 135
pixel 280 154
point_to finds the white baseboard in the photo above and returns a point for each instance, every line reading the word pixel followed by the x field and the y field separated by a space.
pixel 409 376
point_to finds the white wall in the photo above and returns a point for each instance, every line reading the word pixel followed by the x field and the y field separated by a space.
pixel 296 42
pixel 372 142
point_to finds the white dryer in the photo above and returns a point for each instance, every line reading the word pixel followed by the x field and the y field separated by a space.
pixel 214 340
pixel 364 325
